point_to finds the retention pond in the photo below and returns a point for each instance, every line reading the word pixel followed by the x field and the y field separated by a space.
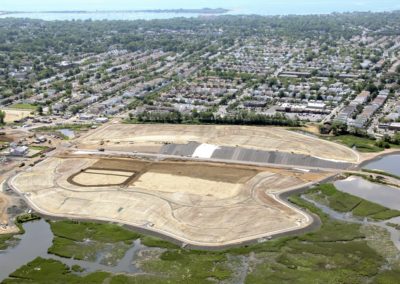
pixel 390 164
pixel 381 194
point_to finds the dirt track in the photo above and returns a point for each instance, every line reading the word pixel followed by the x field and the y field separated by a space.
pixel 209 171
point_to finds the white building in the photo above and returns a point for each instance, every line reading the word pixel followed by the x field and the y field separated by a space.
pixel 101 120
pixel 19 151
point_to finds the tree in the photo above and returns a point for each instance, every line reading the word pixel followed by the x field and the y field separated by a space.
pixel 40 110
pixel 2 116
pixel 339 128
pixel 372 88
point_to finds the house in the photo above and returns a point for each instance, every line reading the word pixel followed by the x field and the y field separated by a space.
pixel 294 74
pixel 255 104
pixel 366 64
pixel 395 126
pixel 19 151
pixel 85 116
pixel 101 120
pixel 41 139
pixel 362 98
pixel 316 105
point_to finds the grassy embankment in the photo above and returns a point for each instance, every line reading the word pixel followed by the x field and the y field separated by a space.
pixel 383 173
pixel 371 178
pixel 339 201
pixel 338 252
pixel 74 127
pixel 362 144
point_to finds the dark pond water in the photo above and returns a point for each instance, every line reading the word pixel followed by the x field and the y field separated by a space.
pixel 390 164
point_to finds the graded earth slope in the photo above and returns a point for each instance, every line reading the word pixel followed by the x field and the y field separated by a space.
pixel 151 138
pixel 201 204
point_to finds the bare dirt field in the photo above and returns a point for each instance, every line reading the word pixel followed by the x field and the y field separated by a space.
pixel 203 204
pixel 193 186
pixel 16 114
pixel 138 137
pixel 13 136
pixel 6 165
pixel 5 226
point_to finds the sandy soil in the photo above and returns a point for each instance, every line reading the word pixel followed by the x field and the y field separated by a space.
pixel 15 114
pixel 263 138
pixel 171 183
pixel 312 128
pixel 13 135
pixel 4 218
pixel 5 168
pixel 172 198
pixel 3 209
pixel 369 156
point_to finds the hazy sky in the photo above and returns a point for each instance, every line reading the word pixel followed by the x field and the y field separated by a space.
pixel 242 5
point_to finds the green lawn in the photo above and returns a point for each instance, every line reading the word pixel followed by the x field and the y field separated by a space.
pixel 360 143
pixel 23 106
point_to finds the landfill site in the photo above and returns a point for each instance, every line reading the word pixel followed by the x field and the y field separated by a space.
pixel 204 186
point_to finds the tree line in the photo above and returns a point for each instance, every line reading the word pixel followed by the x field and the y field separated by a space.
pixel 240 118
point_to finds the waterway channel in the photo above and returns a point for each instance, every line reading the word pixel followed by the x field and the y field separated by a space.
pixel 38 238
pixel 348 217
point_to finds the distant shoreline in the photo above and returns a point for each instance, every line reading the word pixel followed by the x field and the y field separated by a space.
pixel 176 11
